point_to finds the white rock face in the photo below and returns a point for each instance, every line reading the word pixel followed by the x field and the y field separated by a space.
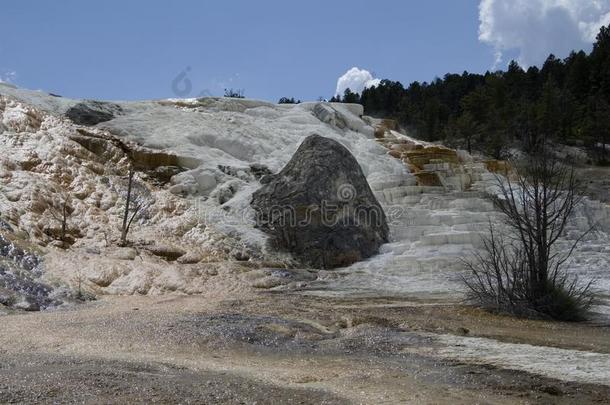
pixel 205 209
pixel 224 145
pixel 194 182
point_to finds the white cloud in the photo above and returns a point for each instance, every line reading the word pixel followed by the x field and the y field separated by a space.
pixel 536 28
pixel 356 80
pixel 8 76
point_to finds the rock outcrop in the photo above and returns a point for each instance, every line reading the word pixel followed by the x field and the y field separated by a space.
pixel 90 112
pixel 321 208
pixel 20 284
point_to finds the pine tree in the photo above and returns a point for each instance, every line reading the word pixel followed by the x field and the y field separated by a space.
pixel 350 97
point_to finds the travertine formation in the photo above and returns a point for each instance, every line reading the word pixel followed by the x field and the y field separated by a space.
pixel 436 224
pixel 201 160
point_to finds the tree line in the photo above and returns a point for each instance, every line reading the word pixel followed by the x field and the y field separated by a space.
pixel 566 101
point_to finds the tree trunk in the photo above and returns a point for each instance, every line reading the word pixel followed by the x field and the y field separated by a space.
pixel 63 222
pixel 126 213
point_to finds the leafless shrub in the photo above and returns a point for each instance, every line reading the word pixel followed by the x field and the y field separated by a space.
pixel 521 271
pixel 79 278
pixel 61 210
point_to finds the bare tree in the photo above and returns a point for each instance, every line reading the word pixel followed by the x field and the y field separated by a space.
pixel 137 201
pixel 521 270
pixel 61 210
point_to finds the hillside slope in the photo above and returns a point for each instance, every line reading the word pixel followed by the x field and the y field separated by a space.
pixel 199 161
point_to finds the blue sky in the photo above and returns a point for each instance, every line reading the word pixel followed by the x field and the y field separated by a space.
pixel 136 49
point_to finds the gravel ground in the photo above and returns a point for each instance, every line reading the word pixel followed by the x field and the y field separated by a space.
pixel 271 348
pixel 32 379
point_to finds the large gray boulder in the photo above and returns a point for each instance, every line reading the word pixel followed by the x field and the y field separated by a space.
pixel 320 207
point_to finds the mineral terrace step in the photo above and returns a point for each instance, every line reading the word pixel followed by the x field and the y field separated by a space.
pixel 469 194
pixel 418 217
pixel 395 194
pixel 411 199
pixel 458 238
pixel 403 255
pixel 379 186
pixel 413 233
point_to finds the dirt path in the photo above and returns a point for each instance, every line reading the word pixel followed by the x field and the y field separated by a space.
pixel 274 348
